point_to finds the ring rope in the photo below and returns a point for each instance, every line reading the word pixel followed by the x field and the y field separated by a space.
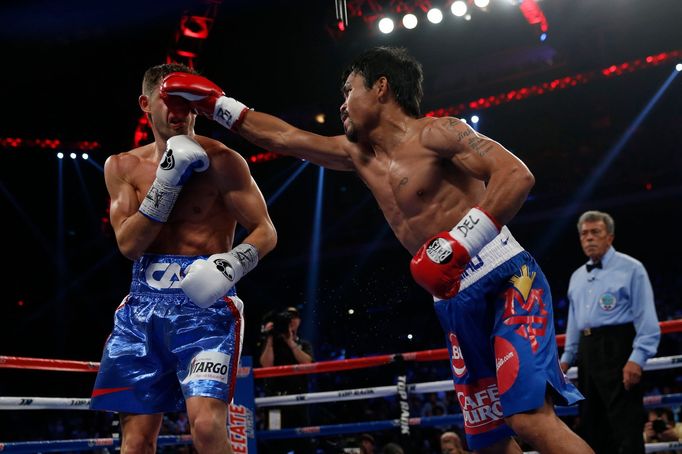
pixel 15 362
pixel 84 444
pixel 456 419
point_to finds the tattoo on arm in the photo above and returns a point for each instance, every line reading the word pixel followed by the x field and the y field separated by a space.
pixel 480 146
pixel 453 122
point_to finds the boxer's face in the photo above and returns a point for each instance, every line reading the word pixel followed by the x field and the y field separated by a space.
pixel 594 239
pixel 356 106
pixel 170 117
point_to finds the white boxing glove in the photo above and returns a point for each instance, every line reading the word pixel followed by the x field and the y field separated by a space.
pixel 183 156
pixel 206 281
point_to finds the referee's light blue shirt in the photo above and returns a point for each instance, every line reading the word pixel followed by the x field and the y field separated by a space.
pixel 620 292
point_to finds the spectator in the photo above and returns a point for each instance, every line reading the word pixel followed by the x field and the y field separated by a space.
pixel 392 448
pixel 661 426
pixel 367 444
pixel 450 443
pixel 612 330
pixel 282 346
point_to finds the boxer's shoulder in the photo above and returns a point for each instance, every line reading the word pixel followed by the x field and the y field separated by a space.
pixel 129 162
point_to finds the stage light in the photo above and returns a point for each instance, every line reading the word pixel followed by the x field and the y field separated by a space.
pixel 467 17
pixel 543 37
pixel 459 8
pixel 320 118
pixel 475 119
pixel 410 336
pixel 351 311
pixel 410 21
pixel 678 67
pixel 386 25
pixel 434 15
pixel 85 156
pixel 73 155
pixel 60 155
pixel 481 3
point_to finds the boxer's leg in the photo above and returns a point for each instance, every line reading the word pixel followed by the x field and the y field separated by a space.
pixel 139 433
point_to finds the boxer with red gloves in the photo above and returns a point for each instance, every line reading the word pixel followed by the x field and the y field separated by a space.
pixel 426 173
pixel 438 265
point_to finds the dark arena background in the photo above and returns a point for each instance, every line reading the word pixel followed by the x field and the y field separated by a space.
pixel 587 93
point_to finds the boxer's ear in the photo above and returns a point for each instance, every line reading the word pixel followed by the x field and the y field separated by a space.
pixel 143 101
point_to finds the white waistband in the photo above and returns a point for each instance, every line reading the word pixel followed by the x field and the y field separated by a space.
pixel 503 247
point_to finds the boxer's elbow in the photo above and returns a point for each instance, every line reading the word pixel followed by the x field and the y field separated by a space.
pixel 129 248
pixel 528 179
pixel 270 237
pixel 523 179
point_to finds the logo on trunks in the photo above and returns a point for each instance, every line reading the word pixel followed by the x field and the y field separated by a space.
pixel 481 407
pixel 467 224
pixel 456 358
pixel 168 160
pixel 474 264
pixel 439 251
pixel 225 268
pixel 208 366
pixel 506 364
pixel 162 276
pixel 524 307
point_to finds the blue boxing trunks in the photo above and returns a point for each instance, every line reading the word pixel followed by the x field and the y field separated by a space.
pixel 163 348
pixel 500 333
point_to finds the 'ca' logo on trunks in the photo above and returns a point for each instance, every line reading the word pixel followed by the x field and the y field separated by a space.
pixel 439 251
pixel 225 268
pixel 162 275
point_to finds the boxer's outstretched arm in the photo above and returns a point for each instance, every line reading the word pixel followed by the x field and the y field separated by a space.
pixel 508 180
pixel 134 231
pixel 274 134
pixel 264 130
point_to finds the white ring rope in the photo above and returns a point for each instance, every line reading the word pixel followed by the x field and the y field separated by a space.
pixel 57 403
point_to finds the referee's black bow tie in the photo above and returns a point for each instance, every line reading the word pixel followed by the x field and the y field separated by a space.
pixel 592 266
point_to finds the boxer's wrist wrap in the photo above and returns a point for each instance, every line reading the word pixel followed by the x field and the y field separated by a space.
pixel 242 259
pixel 229 112
pixel 475 230
pixel 159 201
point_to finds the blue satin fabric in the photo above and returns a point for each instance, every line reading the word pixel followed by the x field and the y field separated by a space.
pixel 163 348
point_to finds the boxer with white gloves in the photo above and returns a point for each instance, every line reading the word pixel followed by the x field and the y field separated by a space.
pixel 208 280
pixel 183 156
pixel 177 337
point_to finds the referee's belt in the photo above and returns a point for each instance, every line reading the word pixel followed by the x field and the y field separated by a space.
pixel 607 329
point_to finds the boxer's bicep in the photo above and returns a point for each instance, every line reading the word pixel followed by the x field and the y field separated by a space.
pixel 124 201
pixel 469 150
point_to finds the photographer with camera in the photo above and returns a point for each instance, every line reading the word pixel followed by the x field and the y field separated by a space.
pixel 661 426
pixel 282 346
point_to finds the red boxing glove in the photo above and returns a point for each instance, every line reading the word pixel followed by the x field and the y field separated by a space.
pixel 438 265
pixel 206 98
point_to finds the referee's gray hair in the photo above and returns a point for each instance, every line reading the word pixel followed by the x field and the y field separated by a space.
pixel 596 216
